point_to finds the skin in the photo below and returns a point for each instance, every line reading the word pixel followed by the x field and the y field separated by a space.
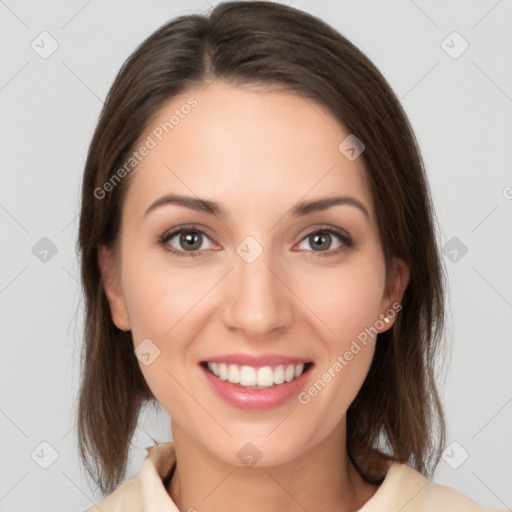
pixel 257 152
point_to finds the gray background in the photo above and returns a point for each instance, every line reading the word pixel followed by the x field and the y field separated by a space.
pixel 460 109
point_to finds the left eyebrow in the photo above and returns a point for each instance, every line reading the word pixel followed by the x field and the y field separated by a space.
pixel 318 205
pixel 299 210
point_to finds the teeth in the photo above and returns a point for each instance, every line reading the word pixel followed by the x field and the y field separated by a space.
pixel 223 371
pixel 247 376
pixel 263 377
pixel 233 374
pixel 279 374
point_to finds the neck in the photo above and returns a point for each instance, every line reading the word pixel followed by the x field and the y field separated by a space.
pixel 323 478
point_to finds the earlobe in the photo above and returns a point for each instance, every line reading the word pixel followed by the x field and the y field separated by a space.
pixel 112 287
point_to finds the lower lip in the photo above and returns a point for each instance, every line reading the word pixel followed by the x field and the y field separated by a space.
pixel 255 399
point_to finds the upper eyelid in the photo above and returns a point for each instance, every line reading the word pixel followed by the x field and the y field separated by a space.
pixel 171 233
pixel 192 227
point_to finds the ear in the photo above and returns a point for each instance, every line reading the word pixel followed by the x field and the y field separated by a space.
pixel 397 282
pixel 112 287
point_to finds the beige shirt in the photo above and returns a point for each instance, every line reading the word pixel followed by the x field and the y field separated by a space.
pixel 403 490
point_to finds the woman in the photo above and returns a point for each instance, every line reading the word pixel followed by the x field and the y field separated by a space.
pixel 259 257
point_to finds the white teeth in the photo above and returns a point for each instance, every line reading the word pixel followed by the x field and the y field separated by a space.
pixel 234 374
pixel 223 371
pixel 265 376
pixel 279 374
pixel 247 376
pixel 289 373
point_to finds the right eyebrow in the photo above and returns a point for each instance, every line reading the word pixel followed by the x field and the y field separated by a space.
pixel 200 205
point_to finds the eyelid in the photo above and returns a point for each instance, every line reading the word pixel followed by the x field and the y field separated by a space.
pixel 345 238
pixel 187 227
pixel 163 240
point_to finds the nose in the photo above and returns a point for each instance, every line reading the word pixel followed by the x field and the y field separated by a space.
pixel 257 302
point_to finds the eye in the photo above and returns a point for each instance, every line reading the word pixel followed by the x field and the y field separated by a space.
pixel 185 242
pixel 189 242
pixel 321 241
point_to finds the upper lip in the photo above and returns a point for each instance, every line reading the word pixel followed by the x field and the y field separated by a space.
pixel 256 361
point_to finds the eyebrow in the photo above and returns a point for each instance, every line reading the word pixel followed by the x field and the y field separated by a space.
pixel 299 210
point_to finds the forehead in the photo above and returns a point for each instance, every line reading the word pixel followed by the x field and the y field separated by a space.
pixel 245 146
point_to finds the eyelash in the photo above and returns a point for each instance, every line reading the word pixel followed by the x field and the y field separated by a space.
pixel 162 241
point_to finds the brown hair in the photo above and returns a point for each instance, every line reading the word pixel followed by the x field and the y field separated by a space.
pixel 398 410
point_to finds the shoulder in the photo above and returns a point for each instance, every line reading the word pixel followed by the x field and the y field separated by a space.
pixel 126 498
pixel 407 490
pixel 145 491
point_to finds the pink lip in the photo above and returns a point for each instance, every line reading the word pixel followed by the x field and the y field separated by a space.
pixel 256 361
pixel 255 399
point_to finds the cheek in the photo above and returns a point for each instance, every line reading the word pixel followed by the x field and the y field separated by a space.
pixel 347 299
pixel 159 297
pixel 158 306
pixel 165 305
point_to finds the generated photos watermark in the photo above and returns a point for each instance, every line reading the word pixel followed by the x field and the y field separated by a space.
pixel 151 142
pixel 304 397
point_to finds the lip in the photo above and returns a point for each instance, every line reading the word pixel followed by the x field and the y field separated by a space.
pixel 256 399
pixel 256 361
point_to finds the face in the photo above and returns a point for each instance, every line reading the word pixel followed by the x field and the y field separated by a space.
pixel 252 285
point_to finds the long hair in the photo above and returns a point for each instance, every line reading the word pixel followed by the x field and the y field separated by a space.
pixel 397 413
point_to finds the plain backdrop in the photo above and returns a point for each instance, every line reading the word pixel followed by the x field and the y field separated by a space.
pixel 459 102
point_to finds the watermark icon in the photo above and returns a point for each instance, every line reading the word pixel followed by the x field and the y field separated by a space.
pixel 151 142
pixel 351 147
pixel 44 45
pixel 304 397
pixel 44 455
pixel 249 249
pixel 455 249
pixel 147 352
pixel 455 455
pixel 507 192
pixel 44 250
pixel 249 455
pixel 454 45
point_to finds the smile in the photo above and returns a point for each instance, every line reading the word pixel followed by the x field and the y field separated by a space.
pixel 256 382
pixel 256 378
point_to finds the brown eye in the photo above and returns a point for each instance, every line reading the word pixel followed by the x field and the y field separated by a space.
pixel 320 241
pixel 185 242
pixel 191 240
pixel 328 241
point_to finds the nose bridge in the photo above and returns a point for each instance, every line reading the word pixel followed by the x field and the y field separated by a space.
pixel 257 302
